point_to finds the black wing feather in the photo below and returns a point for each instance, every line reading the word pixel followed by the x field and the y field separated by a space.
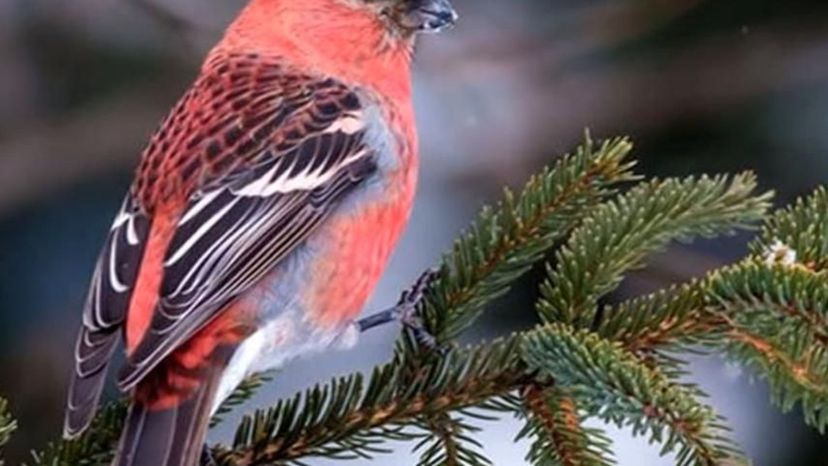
pixel 105 310
pixel 233 234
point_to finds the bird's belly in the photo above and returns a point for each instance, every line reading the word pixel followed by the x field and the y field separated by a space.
pixel 357 247
pixel 306 303
pixel 279 341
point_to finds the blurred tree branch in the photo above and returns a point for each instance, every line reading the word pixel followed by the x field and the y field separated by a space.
pixel 7 426
pixel 100 139
pixel 164 16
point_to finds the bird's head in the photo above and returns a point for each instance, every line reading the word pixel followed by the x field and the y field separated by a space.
pixel 361 40
pixel 405 18
pixel 386 21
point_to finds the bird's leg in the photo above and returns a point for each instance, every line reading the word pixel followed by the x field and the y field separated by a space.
pixel 405 311
pixel 176 24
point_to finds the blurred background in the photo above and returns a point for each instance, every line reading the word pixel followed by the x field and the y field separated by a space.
pixel 701 86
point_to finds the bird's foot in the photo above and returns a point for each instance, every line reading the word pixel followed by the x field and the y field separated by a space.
pixel 406 311
pixel 410 300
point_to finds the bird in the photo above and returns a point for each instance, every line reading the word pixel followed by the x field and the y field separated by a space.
pixel 262 214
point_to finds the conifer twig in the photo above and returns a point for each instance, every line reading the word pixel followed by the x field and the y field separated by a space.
pixel 7 425
pixel 559 435
pixel 506 241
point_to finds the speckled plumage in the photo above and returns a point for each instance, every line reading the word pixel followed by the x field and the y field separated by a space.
pixel 239 104
pixel 263 212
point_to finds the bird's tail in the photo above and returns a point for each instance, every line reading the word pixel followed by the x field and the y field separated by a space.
pixel 168 430
pixel 167 437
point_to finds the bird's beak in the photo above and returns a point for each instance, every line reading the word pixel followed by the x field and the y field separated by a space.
pixel 433 15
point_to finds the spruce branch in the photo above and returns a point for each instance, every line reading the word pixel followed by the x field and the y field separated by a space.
pixel 615 386
pixel 349 418
pixel 616 237
pixel 678 315
pixel 802 227
pixel 776 320
pixel 449 442
pixel 504 242
pixel 353 415
pixel 7 426
pixel 770 317
pixel 559 436
pixel 673 318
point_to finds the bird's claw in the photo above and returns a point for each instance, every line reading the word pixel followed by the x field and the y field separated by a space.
pixel 411 298
pixel 407 306
pixel 405 311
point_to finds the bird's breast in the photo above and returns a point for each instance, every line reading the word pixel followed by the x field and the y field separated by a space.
pixel 355 245
pixel 356 248
pixel 329 278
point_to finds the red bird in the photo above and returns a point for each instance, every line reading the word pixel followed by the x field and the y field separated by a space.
pixel 263 212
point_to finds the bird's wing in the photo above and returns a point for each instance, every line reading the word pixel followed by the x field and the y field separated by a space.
pixel 104 312
pixel 301 161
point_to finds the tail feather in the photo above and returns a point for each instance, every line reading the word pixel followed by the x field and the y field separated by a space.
pixel 84 395
pixel 170 412
pixel 172 436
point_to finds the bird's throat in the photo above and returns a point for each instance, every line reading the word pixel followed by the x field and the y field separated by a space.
pixel 329 38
